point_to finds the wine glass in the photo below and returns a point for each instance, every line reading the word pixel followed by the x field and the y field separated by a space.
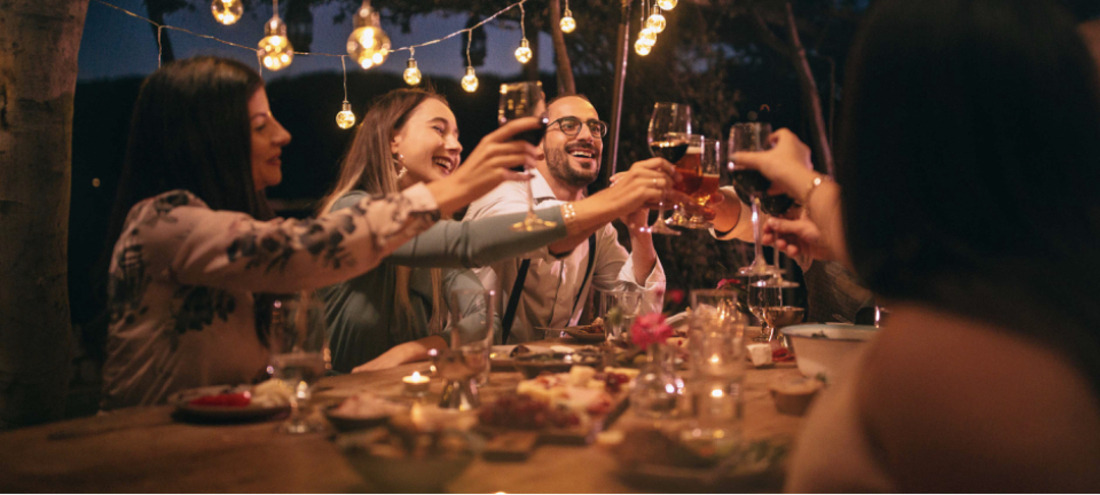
pixel 708 179
pixel 751 136
pixel 619 309
pixel 525 99
pixel 770 299
pixel 465 366
pixel 298 343
pixel 669 127
pixel 688 168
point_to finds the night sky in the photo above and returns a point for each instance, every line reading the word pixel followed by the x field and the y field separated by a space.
pixel 116 44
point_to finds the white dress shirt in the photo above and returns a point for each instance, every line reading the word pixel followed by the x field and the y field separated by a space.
pixel 555 289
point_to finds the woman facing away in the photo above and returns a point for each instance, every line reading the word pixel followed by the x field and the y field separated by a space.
pixel 966 198
pixel 197 243
pixel 395 313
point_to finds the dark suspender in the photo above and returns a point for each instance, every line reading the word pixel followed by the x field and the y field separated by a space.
pixel 517 290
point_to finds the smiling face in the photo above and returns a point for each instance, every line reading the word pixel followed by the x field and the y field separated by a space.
pixel 574 161
pixel 268 139
pixel 428 142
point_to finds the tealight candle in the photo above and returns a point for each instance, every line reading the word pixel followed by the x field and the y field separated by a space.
pixel 416 383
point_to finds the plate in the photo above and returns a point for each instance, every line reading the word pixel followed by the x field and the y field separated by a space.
pixel 182 401
pixel 757 466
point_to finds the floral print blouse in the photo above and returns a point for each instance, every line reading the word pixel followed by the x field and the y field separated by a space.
pixel 182 278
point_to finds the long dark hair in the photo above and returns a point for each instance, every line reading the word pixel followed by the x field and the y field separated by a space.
pixel 190 130
pixel 970 156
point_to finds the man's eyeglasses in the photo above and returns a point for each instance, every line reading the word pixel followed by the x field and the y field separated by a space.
pixel 571 126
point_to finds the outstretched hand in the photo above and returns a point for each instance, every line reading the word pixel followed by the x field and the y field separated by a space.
pixel 799 238
pixel 787 164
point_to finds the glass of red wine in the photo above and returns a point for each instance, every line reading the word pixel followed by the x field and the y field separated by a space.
pixel 751 185
pixel 669 127
pixel 525 99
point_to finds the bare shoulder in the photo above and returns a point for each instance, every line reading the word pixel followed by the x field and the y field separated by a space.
pixel 952 404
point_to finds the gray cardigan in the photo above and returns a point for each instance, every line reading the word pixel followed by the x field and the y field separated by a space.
pixel 360 312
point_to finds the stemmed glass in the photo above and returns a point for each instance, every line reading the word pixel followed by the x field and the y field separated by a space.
pixel 751 136
pixel 525 99
pixel 298 344
pixel 688 168
pixel 669 127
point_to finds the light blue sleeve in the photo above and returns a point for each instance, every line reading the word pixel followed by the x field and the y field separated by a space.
pixel 475 243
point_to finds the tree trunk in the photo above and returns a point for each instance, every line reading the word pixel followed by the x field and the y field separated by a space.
pixel 819 138
pixel 566 84
pixel 39 41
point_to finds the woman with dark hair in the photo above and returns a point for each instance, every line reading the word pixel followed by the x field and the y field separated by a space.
pixel 193 250
pixel 965 199
pixel 395 313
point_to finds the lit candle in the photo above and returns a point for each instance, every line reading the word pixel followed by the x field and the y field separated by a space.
pixel 416 383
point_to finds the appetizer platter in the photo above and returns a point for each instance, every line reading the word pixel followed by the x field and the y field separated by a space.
pixel 232 402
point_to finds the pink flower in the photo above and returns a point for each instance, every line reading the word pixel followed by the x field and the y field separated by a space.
pixel 650 329
pixel 675 296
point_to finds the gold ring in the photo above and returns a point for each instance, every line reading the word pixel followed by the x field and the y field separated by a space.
pixel 655 183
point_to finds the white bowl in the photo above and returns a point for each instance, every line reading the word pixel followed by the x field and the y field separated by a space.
pixel 826 350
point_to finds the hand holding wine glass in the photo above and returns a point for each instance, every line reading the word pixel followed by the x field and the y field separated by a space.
pixel 525 99
pixel 669 127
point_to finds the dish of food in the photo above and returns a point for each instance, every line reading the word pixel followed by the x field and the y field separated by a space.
pixel 536 363
pixel 233 402
pixel 585 333
pixel 362 411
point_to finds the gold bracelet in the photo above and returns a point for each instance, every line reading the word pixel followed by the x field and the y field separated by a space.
pixel 568 215
pixel 818 180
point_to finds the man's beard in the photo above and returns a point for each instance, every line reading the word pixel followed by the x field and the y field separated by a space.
pixel 557 160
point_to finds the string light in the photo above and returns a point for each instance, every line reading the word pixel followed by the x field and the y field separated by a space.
pixel 647 37
pixel 227 12
pixel 568 24
pixel 275 50
pixel 412 72
pixel 667 4
pixel 656 21
pixel 469 81
pixel 368 44
pixel 470 78
pixel 523 53
pixel 345 119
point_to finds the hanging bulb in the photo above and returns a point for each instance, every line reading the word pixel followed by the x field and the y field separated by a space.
pixel 656 21
pixel 346 118
pixel 412 73
pixel 469 81
pixel 568 24
pixel 368 44
pixel 227 11
pixel 648 36
pixel 275 50
pixel 641 48
pixel 523 53
pixel 667 4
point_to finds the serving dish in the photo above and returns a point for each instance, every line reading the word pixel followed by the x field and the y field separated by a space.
pixel 825 351
pixel 536 363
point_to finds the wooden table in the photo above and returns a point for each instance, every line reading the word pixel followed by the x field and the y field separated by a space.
pixel 143 449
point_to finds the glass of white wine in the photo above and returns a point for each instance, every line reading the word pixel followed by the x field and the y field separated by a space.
pixel 298 344
pixel 517 100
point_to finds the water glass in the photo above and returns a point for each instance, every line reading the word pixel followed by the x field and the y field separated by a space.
pixel 619 308
pixel 298 343
pixel 465 366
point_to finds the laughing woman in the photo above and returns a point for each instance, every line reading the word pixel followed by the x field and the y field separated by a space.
pixel 196 241
pixel 395 313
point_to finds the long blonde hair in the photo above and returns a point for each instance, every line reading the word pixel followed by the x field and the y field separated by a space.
pixel 371 165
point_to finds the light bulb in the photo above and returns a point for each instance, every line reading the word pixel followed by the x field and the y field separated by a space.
pixel 368 44
pixel 648 36
pixel 667 4
pixel 469 81
pixel 641 47
pixel 568 24
pixel 275 50
pixel 346 118
pixel 523 53
pixel 412 73
pixel 656 21
pixel 227 11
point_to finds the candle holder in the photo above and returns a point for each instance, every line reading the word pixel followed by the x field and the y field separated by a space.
pixel 416 384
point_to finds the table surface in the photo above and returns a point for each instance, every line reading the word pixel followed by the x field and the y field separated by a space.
pixel 144 449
